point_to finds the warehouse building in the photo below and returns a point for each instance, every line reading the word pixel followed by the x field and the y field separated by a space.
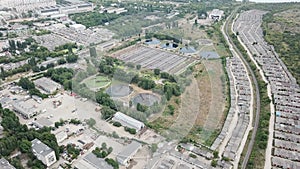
pixel 43 152
pixel 24 109
pixel 124 156
pixel 47 85
pixel 128 121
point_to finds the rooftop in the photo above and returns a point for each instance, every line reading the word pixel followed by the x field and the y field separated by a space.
pixel 97 163
pixel 128 151
pixel 40 148
pixel 4 164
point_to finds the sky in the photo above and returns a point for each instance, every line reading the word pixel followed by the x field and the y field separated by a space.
pixel 273 1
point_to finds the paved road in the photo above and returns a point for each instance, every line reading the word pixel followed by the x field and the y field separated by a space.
pixel 253 78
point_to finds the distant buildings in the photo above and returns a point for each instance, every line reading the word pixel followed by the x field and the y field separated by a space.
pixel 124 157
pixel 115 10
pixel 128 121
pixel 47 85
pixel 43 152
pixel 4 164
pixel 26 5
pixel 65 9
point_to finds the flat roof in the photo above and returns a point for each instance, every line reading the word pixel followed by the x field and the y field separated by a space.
pixel 40 148
pixel 97 163
pixel 128 151
pixel 4 164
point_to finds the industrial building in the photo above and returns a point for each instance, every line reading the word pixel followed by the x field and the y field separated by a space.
pixel 4 164
pixel 47 85
pixel 91 161
pixel 24 109
pixel 128 121
pixel 43 152
pixel 48 11
pixel 130 150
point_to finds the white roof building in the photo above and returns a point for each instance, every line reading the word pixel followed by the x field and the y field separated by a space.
pixel 43 152
pixel 61 136
pixel 216 14
pixel 47 85
pixel 130 150
pixel 4 164
pixel 128 121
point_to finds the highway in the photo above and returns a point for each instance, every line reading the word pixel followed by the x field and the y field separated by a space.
pixel 254 81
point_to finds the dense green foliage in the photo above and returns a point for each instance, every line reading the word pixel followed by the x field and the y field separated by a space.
pixel 72 151
pixel 130 130
pixel 61 75
pixel 90 19
pixel 27 84
pixel 19 137
pixel 112 162
pixel 117 124
pixel 107 112
pixel 103 151
pixel 162 37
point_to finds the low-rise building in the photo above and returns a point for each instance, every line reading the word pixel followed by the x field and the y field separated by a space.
pixel 61 136
pixel 43 152
pixel 216 14
pixel 128 121
pixel 24 109
pixel 4 164
pixel 48 85
pixel 130 150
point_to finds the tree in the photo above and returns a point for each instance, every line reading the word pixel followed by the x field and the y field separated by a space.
pixel 214 163
pixel 93 52
pixel 61 61
pixel 117 124
pixel 91 122
pixel 156 71
pixel 138 67
pixel 140 107
pixel 107 112
pixel 25 146
pixel 72 58
pixel 153 147
pixel 26 84
pixel 103 146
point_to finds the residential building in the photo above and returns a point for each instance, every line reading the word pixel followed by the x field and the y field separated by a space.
pixel 130 150
pixel 128 121
pixel 4 164
pixel 43 152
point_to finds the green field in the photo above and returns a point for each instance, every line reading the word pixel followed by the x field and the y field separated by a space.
pixel 96 82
